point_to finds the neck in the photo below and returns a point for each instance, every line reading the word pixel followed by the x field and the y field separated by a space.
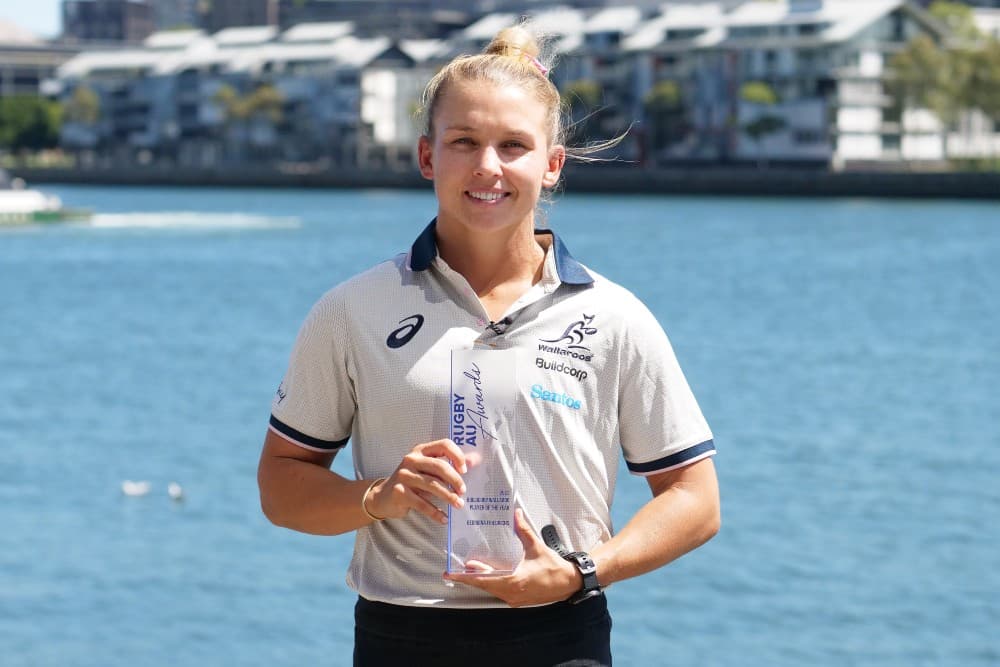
pixel 491 261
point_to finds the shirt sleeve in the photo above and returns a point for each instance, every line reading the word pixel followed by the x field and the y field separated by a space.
pixel 660 424
pixel 315 404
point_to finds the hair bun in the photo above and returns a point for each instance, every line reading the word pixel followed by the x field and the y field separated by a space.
pixel 515 41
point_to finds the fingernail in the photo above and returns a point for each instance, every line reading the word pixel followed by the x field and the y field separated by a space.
pixel 460 503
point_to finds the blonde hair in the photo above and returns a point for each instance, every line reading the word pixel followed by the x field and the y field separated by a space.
pixel 515 57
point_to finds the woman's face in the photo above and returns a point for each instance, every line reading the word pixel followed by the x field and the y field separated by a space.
pixel 489 156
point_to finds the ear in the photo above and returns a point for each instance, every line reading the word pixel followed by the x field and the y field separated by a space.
pixel 425 157
pixel 557 158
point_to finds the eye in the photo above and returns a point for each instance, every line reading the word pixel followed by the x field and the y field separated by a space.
pixel 462 141
pixel 514 143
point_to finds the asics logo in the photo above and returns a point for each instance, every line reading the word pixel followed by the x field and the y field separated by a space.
pixel 404 334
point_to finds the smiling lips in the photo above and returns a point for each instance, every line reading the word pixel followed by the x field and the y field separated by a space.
pixel 487 196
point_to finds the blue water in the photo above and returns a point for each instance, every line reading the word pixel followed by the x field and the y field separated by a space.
pixel 845 353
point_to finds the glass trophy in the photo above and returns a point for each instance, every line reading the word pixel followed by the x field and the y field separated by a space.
pixel 483 391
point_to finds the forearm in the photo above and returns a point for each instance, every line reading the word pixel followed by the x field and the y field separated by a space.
pixel 306 497
pixel 682 515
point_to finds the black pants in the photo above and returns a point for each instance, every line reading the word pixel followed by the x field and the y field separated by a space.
pixel 559 634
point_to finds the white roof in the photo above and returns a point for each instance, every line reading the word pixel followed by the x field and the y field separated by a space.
pixel 422 50
pixel 559 21
pixel 245 36
pixel 843 18
pixel 614 19
pixel 94 61
pixel 347 51
pixel 172 39
pixel 569 43
pixel 763 12
pixel 709 16
pixel 318 32
pixel 359 52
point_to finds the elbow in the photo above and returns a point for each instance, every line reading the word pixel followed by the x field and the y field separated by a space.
pixel 268 509
pixel 268 499
pixel 713 525
pixel 712 522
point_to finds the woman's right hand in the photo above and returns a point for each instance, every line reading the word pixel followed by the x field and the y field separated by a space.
pixel 430 470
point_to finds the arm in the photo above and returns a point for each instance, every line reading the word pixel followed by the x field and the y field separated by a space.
pixel 299 491
pixel 683 514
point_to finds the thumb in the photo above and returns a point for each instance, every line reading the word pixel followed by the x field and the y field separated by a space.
pixel 532 543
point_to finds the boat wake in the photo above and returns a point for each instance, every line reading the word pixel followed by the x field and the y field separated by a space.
pixel 190 220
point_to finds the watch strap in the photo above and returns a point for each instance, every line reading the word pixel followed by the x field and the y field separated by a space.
pixel 581 559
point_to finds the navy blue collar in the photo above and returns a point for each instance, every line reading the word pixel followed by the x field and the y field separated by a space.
pixel 570 271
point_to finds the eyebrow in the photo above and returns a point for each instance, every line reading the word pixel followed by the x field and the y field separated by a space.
pixel 469 128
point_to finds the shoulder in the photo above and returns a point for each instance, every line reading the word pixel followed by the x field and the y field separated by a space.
pixel 361 287
pixel 614 299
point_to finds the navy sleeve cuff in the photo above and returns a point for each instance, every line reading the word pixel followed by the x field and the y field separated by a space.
pixel 681 458
pixel 300 438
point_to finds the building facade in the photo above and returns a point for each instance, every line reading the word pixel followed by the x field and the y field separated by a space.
pixel 27 62
pixel 223 14
pixel 792 81
pixel 107 20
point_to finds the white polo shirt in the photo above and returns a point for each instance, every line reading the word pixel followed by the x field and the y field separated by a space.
pixel 371 365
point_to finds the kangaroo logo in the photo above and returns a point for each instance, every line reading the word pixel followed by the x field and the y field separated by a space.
pixel 575 333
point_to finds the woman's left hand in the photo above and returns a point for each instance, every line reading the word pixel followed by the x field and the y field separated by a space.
pixel 542 577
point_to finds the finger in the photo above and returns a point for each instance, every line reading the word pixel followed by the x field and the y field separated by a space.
pixel 432 466
pixel 472 459
pixel 429 483
pixel 397 499
pixel 444 471
pixel 420 503
pixel 483 580
pixel 532 543
pixel 478 567
pixel 445 448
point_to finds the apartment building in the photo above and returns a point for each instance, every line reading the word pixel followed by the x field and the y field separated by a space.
pixel 188 97
pixel 348 99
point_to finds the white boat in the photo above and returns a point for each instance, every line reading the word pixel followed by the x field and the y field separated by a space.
pixel 19 205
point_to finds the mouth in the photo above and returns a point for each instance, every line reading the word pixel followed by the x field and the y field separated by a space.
pixel 487 196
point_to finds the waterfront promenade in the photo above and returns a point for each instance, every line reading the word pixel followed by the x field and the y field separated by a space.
pixel 621 178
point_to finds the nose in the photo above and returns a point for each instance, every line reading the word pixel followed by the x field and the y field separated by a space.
pixel 488 163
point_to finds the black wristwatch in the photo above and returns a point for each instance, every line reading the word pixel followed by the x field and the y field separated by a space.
pixel 588 569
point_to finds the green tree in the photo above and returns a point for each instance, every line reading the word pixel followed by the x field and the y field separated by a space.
pixel 758 92
pixel 958 17
pixel 264 101
pixel 83 107
pixel 665 110
pixel 29 123
pixel 984 79
pixel 925 75
pixel 765 123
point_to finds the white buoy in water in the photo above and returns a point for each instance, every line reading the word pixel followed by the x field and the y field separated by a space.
pixel 175 491
pixel 130 488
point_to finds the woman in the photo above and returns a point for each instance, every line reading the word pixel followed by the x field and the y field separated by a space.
pixel 371 365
